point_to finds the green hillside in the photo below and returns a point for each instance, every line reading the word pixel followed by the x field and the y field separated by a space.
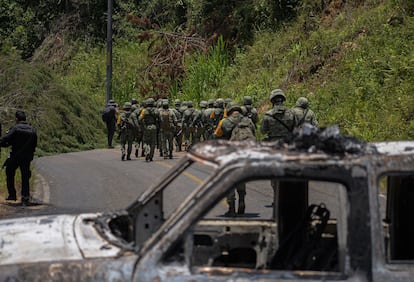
pixel 354 61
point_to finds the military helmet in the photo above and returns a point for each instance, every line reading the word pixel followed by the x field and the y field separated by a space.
pixel 210 102
pixel 203 104
pixel 302 102
pixel 150 102
pixel 134 101
pixel 177 102
pixel 247 100
pixel 219 103
pixel 185 103
pixel 111 103
pixel 277 93
pixel 127 106
pixel 228 101
pixel 165 103
pixel 159 103
pixel 190 104
pixel 233 106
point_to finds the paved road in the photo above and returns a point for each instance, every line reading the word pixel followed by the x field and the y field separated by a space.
pixel 98 180
pixel 95 180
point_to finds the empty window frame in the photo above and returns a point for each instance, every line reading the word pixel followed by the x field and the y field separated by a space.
pixel 290 224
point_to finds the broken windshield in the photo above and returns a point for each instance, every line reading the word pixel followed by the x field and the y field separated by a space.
pixel 157 204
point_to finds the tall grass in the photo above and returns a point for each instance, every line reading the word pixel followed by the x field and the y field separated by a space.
pixel 204 73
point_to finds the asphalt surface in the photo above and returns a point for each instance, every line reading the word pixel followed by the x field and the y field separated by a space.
pixel 92 181
pixel 99 181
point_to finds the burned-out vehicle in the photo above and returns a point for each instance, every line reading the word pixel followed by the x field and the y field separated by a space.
pixel 325 207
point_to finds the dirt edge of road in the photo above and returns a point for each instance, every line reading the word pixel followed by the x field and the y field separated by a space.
pixel 40 194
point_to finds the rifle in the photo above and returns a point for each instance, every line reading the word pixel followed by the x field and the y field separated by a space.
pixel 178 133
pixel 5 163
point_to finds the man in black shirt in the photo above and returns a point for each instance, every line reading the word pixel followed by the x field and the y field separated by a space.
pixel 109 116
pixel 22 138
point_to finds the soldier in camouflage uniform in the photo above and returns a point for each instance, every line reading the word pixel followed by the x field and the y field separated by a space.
pixel 277 125
pixel 206 120
pixel 218 113
pixel 158 104
pixel 224 130
pixel 178 134
pixel 279 122
pixel 303 114
pixel 168 123
pixel 127 130
pixel 248 109
pixel 197 123
pixel 136 111
pixel 188 126
pixel 149 119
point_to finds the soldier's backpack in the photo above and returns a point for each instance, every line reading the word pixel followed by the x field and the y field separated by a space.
pixel 242 131
pixel 106 114
pixel 165 122
pixel 127 121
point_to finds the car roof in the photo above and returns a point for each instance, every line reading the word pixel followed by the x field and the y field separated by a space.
pixel 314 147
pixel 395 147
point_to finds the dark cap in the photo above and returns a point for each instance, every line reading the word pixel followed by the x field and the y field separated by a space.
pixel 20 116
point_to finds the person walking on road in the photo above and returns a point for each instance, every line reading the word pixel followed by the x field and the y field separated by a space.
pixel 127 128
pixel 279 122
pixel 248 109
pixel 168 123
pixel 150 120
pixel 303 114
pixel 22 138
pixel 236 127
pixel 109 116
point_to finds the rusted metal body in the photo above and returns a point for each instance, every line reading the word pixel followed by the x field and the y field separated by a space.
pixel 139 244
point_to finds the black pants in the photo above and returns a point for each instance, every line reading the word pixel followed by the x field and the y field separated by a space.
pixel 110 126
pixel 11 168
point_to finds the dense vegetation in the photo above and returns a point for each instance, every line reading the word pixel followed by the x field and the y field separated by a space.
pixel 352 59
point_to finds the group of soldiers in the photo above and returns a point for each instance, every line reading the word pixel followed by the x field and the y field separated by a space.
pixel 152 124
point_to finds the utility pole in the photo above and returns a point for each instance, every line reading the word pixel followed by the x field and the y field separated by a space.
pixel 108 93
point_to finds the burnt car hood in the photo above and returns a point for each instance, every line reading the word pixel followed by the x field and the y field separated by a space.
pixel 52 238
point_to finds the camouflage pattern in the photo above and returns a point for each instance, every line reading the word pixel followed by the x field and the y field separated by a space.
pixel 223 131
pixel 150 120
pixel 226 125
pixel 127 132
pixel 279 122
pixel 178 130
pixel 250 112
pixel 218 113
pixel 198 126
pixel 206 120
pixel 303 114
pixel 167 133
pixel 138 128
pixel 188 126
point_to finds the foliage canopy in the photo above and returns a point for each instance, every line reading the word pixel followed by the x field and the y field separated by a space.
pixel 352 59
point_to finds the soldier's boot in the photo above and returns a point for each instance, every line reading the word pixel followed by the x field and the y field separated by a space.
pixel 170 155
pixel 242 206
pixel 136 152
pixel 129 157
pixel 147 153
pixel 232 209
pixel 123 157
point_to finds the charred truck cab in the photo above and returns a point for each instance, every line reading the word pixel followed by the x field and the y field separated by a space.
pixel 323 207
